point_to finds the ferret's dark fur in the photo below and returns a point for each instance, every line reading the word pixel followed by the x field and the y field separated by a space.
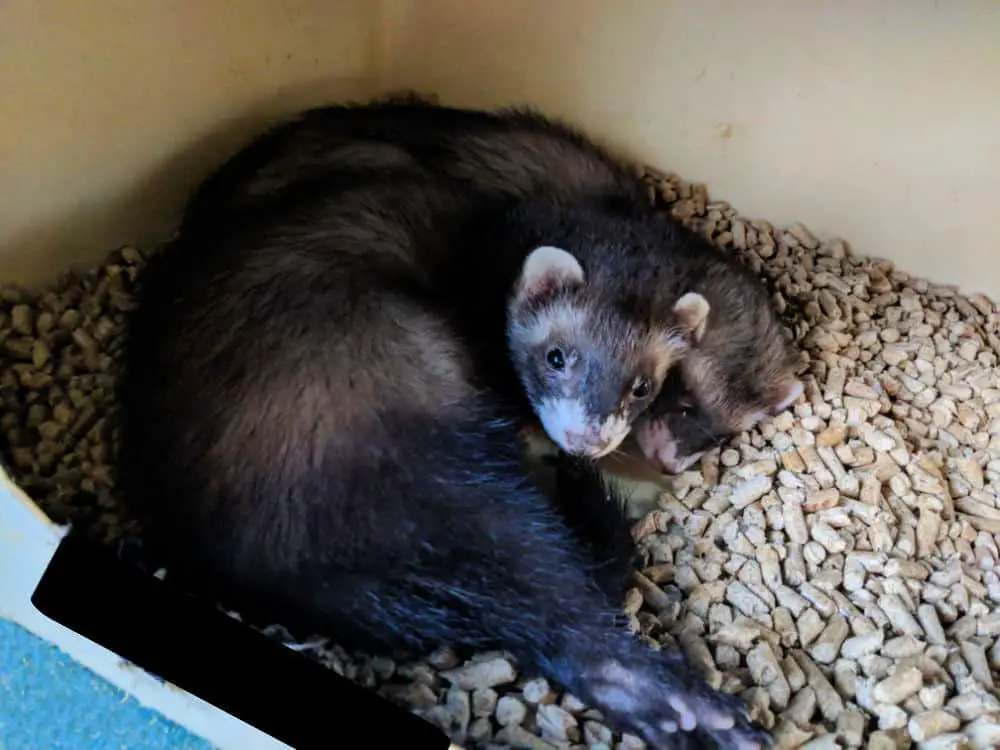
pixel 742 371
pixel 514 152
pixel 307 429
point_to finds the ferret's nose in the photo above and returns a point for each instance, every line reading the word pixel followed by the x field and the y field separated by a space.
pixel 585 443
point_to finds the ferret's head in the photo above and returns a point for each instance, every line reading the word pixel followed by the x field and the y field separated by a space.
pixel 688 426
pixel 741 372
pixel 588 370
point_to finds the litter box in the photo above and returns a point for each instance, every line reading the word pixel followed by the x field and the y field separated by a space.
pixel 879 122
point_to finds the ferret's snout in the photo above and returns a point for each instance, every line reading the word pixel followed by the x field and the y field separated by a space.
pixel 588 443
pixel 576 431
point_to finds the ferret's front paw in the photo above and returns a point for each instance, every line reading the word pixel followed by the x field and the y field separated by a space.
pixel 663 700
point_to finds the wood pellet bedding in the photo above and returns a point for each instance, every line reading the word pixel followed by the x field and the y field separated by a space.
pixel 838 567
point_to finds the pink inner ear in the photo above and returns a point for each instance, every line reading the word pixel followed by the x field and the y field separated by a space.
pixel 783 396
pixel 786 394
pixel 545 269
pixel 542 286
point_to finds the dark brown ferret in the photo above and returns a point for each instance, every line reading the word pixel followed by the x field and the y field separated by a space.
pixel 743 369
pixel 512 152
pixel 315 423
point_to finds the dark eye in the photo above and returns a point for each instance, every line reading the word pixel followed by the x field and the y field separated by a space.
pixel 641 388
pixel 556 358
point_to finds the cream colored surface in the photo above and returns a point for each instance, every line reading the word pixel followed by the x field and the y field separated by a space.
pixel 112 109
pixel 876 121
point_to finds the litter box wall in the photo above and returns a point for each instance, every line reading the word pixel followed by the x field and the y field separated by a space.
pixel 111 110
pixel 878 122
pixel 875 121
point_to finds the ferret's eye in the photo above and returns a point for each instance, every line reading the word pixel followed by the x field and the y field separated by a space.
pixel 556 359
pixel 640 388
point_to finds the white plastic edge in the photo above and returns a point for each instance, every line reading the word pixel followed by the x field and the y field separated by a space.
pixel 28 540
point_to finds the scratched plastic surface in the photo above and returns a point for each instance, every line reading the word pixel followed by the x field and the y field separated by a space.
pixel 49 701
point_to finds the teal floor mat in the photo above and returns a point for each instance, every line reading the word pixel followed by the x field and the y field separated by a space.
pixel 49 702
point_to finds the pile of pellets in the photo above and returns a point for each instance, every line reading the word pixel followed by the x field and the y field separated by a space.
pixel 837 568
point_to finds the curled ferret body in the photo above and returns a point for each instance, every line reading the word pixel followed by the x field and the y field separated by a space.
pixel 743 369
pixel 308 429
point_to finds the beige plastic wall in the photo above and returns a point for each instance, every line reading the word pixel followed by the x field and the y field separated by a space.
pixel 110 110
pixel 874 120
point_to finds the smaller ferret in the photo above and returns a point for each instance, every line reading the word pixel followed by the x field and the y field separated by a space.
pixel 741 370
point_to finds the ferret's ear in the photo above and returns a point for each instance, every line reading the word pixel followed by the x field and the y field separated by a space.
pixel 776 400
pixel 692 314
pixel 786 393
pixel 547 269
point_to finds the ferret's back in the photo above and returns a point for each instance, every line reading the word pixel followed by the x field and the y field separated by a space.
pixel 505 153
pixel 293 360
